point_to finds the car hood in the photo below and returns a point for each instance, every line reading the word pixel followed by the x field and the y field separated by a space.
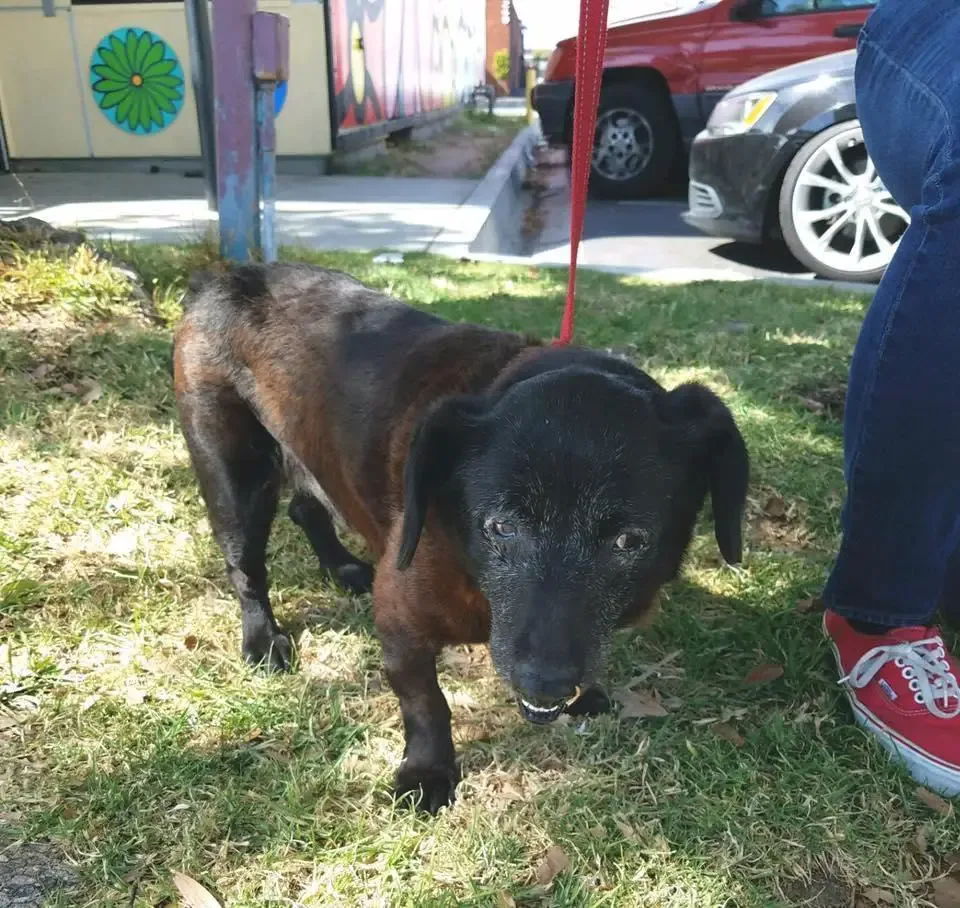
pixel 654 9
pixel 839 66
pixel 623 12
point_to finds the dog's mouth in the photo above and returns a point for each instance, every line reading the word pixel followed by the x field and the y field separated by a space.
pixel 541 713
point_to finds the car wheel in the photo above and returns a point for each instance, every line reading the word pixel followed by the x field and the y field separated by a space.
pixel 836 216
pixel 636 141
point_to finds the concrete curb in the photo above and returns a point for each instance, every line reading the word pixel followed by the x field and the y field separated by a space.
pixel 493 212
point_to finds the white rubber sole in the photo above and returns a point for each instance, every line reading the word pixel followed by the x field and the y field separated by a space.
pixel 923 767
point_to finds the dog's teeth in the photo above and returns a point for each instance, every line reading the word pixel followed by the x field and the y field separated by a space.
pixel 540 710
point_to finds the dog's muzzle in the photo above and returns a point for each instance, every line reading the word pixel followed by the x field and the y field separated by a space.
pixel 545 713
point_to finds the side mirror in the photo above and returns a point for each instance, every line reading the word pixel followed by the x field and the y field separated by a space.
pixel 747 10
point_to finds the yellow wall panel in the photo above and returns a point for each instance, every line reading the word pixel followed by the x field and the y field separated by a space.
pixel 50 109
pixel 303 127
pixel 39 95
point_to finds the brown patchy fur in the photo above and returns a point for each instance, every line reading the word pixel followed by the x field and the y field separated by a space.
pixel 433 600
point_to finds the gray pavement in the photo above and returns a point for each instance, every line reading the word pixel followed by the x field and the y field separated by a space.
pixel 335 212
pixel 648 236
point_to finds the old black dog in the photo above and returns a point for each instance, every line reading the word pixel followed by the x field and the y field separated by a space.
pixel 536 497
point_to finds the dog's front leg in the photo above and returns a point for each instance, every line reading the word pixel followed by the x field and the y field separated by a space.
pixel 428 771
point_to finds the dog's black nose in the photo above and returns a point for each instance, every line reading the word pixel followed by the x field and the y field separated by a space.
pixel 545 684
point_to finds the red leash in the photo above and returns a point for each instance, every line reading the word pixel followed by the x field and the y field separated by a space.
pixel 591 43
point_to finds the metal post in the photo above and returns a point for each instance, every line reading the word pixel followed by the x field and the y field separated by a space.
pixel 201 53
pixel 267 169
pixel 235 134
pixel 271 42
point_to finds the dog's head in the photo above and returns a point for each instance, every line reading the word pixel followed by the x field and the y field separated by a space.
pixel 571 496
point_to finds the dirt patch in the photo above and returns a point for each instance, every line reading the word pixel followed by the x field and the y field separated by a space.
pixel 29 874
pixel 820 891
pixel 466 149
pixel 827 400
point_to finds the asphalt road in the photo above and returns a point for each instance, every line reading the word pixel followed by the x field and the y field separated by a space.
pixel 648 235
pixel 651 234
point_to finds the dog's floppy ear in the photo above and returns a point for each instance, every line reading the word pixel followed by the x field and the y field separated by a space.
pixel 438 442
pixel 719 450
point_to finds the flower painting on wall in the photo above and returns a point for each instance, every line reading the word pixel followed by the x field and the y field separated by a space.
pixel 137 81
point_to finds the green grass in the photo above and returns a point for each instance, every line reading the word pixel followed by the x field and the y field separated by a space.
pixel 133 737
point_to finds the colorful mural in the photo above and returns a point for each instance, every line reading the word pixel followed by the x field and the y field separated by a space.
pixel 398 58
pixel 137 81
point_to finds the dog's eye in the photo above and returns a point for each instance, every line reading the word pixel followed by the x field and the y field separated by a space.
pixel 631 541
pixel 504 529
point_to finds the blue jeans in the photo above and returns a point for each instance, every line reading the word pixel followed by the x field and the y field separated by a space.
pixel 901 517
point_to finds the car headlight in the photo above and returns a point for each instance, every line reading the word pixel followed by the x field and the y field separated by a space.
pixel 738 113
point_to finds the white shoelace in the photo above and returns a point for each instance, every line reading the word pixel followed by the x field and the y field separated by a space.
pixel 923 664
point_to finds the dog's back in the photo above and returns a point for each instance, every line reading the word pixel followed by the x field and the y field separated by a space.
pixel 333 371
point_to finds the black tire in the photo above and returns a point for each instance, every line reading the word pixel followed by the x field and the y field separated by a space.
pixel 785 212
pixel 641 99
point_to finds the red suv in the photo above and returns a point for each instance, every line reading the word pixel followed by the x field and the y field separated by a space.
pixel 664 72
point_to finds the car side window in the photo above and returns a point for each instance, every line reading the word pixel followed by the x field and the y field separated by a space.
pixel 827 5
pixel 792 7
pixel 786 7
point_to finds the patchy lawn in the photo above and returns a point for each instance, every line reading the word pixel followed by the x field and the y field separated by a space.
pixel 466 149
pixel 134 741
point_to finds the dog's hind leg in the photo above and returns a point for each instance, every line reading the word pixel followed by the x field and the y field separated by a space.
pixel 238 466
pixel 314 519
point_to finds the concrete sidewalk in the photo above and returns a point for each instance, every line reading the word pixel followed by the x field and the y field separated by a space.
pixel 333 212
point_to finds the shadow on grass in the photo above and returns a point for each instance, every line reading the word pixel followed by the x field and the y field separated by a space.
pixel 267 771
pixel 50 376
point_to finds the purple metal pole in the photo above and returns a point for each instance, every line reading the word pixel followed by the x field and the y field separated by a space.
pixel 235 129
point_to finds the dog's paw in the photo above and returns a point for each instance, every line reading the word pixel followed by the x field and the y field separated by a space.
pixel 270 650
pixel 356 578
pixel 428 787
pixel 592 702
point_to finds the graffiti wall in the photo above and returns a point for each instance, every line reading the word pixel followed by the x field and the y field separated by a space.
pixel 399 58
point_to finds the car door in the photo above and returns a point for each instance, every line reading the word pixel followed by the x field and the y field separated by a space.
pixel 757 37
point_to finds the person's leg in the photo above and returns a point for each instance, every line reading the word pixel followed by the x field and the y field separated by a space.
pixel 901 518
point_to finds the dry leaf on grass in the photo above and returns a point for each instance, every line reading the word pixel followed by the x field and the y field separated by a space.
pixel 194 895
pixel 8 722
pixel 555 861
pixel 808 403
pixel 638 704
pixel 626 830
pixel 810 605
pixel 134 696
pixel 763 674
pixel 920 841
pixel 505 900
pixel 934 801
pixel 879 896
pixel 946 893
pixel 91 391
pixel 190 642
pixel 729 733
pixel 42 371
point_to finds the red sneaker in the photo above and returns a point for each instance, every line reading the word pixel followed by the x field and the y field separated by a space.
pixel 903 688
